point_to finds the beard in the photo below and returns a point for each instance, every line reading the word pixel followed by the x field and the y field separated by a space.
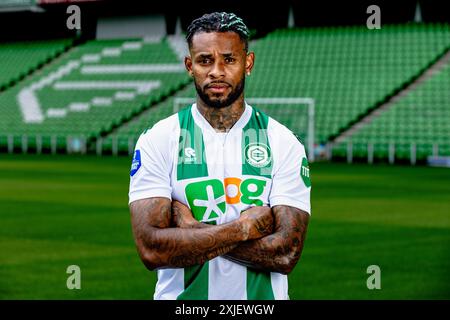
pixel 221 102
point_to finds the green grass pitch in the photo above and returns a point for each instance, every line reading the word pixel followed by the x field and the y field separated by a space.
pixel 57 211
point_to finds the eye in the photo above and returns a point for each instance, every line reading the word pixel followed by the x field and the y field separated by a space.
pixel 229 59
pixel 205 60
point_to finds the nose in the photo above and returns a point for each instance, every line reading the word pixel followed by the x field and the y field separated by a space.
pixel 217 70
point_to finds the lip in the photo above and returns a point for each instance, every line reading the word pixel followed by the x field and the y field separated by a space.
pixel 217 88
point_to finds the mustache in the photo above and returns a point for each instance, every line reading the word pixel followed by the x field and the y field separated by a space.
pixel 217 82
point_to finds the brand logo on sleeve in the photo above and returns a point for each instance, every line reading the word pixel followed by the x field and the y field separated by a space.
pixel 136 164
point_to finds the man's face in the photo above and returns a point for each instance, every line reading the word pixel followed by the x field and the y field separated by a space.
pixel 218 63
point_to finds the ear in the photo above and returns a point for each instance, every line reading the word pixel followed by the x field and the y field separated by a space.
pixel 249 62
pixel 188 65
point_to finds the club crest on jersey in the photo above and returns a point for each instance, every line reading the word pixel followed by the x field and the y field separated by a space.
pixel 258 155
pixel 136 164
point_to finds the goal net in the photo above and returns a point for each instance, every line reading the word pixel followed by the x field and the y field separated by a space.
pixel 296 113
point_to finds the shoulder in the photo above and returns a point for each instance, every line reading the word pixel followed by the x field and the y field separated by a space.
pixel 162 129
pixel 281 136
pixel 161 133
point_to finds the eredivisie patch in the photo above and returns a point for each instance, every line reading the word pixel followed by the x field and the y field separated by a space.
pixel 136 164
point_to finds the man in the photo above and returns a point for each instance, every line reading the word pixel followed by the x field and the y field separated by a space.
pixel 220 192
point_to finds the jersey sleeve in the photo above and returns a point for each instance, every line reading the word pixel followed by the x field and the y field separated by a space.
pixel 150 169
pixel 291 184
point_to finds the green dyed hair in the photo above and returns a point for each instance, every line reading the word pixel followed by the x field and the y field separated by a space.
pixel 218 22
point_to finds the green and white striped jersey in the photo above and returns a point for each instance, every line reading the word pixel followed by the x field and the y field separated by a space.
pixel 218 175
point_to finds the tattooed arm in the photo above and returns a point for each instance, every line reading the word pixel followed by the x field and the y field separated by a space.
pixel 278 252
pixel 161 246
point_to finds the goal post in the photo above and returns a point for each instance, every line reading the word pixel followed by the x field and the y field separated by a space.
pixel 296 113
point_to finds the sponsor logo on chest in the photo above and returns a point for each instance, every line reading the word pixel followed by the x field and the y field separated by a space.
pixel 208 199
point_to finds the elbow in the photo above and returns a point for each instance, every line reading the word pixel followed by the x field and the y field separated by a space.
pixel 285 266
pixel 151 260
pixel 149 255
pixel 287 263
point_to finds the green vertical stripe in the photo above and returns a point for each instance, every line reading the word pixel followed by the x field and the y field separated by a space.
pixel 192 166
pixel 195 283
pixel 191 138
pixel 259 285
pixel 255 132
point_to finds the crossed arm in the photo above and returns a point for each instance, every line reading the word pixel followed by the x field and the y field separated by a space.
pixel 262 238
pixel 280 250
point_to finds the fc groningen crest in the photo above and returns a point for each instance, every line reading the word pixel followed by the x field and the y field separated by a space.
pixel 257 155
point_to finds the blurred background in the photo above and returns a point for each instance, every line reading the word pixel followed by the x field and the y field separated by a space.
pixel 364 84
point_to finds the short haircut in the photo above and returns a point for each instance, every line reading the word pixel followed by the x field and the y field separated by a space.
pixel 218 22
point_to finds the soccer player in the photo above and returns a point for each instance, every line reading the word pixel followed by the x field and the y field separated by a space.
pixel 219 192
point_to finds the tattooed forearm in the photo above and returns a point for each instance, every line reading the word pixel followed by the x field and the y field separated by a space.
pixel 279 251
pixel 161 246
pixel 187 260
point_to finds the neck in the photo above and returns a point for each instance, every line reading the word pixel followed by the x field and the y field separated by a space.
pixel 223 119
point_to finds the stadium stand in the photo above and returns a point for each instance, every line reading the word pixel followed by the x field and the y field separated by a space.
pixel 420 120
pixel 349 71
pixel 90 90
pixel 124 139
pixel 111 90
pixel 19 59
pixel 16 4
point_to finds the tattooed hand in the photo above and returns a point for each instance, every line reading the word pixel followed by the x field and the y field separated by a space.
pixel 161 246
pixel 257 222
pixel 279 251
